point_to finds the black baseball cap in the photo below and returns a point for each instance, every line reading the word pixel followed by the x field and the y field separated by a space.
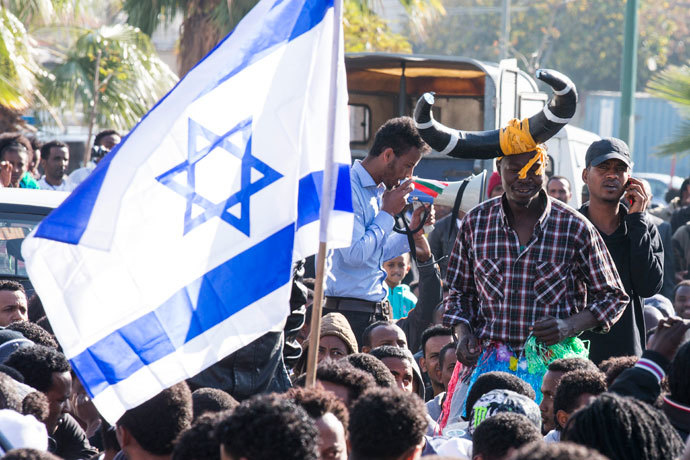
pixel 608 148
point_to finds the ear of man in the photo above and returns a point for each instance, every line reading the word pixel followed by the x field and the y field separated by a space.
pixel 422 364
pixel 562 417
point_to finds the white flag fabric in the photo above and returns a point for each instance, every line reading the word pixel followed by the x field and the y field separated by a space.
pixel 178 249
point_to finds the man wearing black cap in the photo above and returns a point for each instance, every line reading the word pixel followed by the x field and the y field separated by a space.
pixel 633 241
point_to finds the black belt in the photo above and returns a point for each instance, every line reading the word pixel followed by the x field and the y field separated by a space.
pixel 350 304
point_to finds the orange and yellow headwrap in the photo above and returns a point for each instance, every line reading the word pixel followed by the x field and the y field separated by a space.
pixel 515 139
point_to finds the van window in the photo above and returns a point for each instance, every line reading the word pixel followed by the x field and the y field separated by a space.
pixel 360 123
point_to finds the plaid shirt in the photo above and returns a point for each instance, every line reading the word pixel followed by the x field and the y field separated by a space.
pixel 500 289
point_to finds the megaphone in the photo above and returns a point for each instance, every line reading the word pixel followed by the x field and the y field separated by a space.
pixel 460 196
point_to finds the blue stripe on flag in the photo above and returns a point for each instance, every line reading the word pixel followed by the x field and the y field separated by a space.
pixel 309 195
pixel 193 310
pixel 279 26
pixel 68 222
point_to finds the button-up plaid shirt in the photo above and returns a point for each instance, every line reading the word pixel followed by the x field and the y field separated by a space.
pixel 500 289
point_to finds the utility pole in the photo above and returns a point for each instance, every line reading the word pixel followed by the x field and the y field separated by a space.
pixel 629 75
pixel 505 29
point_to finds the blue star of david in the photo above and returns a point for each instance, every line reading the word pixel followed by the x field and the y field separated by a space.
pixel 247 186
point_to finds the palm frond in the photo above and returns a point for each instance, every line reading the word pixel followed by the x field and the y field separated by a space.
pixel 681 142
pixel 17 66
pixel 673 84
pixel 131 76
pixel 148 14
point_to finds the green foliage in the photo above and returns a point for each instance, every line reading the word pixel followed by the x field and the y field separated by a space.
pixel 149 14
pixel 131 76
pixel 365 31
pixel 583 39
pixel 17 66
pixel 673 84
pixel 38 11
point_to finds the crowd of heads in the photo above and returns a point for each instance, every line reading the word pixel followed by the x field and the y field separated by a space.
pixel 30 163
pixel 370 398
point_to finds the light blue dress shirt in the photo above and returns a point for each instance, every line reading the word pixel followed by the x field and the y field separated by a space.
pixel 358 270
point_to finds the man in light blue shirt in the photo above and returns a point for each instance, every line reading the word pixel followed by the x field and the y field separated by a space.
pixel 377 195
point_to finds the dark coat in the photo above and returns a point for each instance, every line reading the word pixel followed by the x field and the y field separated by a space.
pixel 638 253
pixel 430 295
pixel 442 239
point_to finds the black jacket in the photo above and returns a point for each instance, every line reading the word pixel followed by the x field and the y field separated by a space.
pixel 442 239
pixel 430 295
pixel 69 440
pixel 638 253
pixel 641 384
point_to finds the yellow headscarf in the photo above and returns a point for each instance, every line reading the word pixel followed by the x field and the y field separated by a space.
pixel 515 139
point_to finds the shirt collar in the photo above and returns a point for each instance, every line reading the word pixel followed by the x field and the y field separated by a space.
pixel 503 202
pixel 363 175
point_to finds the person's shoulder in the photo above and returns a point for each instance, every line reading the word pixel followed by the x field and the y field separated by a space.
pixel 574 218
pixel 484 208
pixel 564 211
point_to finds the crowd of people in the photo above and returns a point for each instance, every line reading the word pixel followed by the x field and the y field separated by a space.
pixel 29 163
pixel 524 329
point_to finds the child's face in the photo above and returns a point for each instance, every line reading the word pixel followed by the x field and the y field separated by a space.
pixel 397 269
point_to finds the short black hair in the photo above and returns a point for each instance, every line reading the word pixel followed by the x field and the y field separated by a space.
pixel 563 178
pixel 45 149
pixel 385 423
pixel 399 134
pixel 35 333
pixel 156 423
pixel 444 350
pixel 342 373
pixel 9 397
pixel 497 380
pixel 11 285
pixel 436 330
pixel 623 429
pixel 37 363
pixel 35 307
pixel 200 441
pixel 269 426
pixel 36 404
pixel 613 367
pixel 206 400
pixel 366 334
pixel 571 364
pixel 106 132
pixel 389 351
pixel 29 454
pixel 573 385
pixel 684 186
pixel 496 435
pixel 679 376
pixel 318 402
pixel 540 450
pixel 678 286
pixel 15 141
pixel 373 366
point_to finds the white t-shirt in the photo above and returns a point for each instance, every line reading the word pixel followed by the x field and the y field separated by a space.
pixel 78 175
pixel 67 185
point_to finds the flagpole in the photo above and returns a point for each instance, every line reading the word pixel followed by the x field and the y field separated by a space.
pixel 326 200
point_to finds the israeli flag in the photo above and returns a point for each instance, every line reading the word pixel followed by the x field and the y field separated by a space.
pixel 178 249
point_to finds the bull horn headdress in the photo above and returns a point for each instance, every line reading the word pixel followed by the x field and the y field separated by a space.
pixel 518 137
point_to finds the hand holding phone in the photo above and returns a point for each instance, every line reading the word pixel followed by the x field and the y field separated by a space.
pixel 636 196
